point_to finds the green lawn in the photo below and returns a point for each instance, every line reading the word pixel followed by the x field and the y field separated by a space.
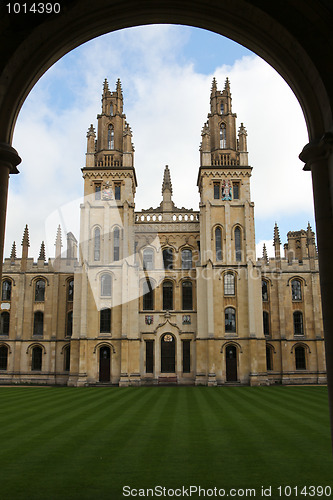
pixel 87 443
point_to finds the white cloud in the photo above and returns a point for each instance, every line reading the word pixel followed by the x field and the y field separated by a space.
pixel 166 103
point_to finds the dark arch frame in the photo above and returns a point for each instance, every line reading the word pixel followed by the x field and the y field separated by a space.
pixel 296 41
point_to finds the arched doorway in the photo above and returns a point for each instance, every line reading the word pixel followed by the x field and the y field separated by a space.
pixel 168 353
pixel 231 363
pixel 104 364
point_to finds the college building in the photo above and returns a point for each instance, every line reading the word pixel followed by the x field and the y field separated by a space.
pixel 165 295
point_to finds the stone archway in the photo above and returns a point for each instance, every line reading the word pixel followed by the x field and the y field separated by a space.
pixel 295 38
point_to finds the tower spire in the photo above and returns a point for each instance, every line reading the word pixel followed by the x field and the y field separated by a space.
pixel 42 252
pixel 276 242
pixel 166 180
pixel 167 204
pixel 58 243
pixel 264 254
pixel 25 246
pixel 13 252
pixel 106 89
pixel 214 86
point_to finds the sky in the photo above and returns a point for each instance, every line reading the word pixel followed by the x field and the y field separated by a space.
pixel 166 73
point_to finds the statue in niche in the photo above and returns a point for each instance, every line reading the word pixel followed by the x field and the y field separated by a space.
pixel 107 191
pixel 226 190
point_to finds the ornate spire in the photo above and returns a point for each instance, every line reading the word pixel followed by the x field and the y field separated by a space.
pixel 166 180
pixel 91 131
pixel 214 86
pixel 264 254
pixel 13 252
pixel 42 252
pixel 106 89
pixel 25 239
pixel 118 87
pixel 58 243
pixel 227 85
pixel 276 239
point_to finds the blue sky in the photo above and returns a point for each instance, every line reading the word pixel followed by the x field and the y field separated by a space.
pixel 166 73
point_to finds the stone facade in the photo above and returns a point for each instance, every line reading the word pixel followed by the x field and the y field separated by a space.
pixel 166 295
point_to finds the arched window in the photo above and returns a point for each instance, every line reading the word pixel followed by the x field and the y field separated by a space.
pixel 39 291
pixel 69 325
pixel 148 296
pixel 222 108
pixel 238 248
pixel 187 295
pixel 269 358
pixel 186 258
pixel 148 259
pixel 111 109
pixel 298 323
pixel 229 284
pixel 116 247
pixel 300 361
pixel 110 137
pixel 6 290
pixel 3 357
pixel 38 323
pixel 97 244
pixel 265 317
pixel 218 243
pixel 230 320
pixel 4 323
pixel 168 258
pixel 70 291
pixel 105 321
pixel 67 358
pixel 167 295
pixel 264 290
pixel 36 361
pixel 106 285
pixel 223 136
pixel 296 290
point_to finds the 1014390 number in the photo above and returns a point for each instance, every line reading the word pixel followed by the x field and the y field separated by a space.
pixel 35 8
pixel 305 491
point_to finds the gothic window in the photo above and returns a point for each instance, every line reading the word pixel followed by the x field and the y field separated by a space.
pixel 168 258
pixel 235 188
pixel 238 248
pixel 117 191
pixel 3 357
pixel 69 325
pixel 264 290
pixel 186 356
pixel 187 296
pixel 36 362
pixel 116 247
pixel 149 356
pixel 67 358
pixel 223 137
pixel 105 321
pixel 296 290
pixel 300 361
pixel 298 323
pixel 269 358
pixel 218 243
pixel 110 137
pixel 230 320
pixel 70 291
pixel 106 285
pixel 39 291
pixel 98 191
pixel 4 323
pixel 148 259
pixel 148 296
pixel 186 258
pixel 97 244
pixel 222 108
pixel 111 109
pixel 6 290
pixel 216 190
pixel 38 323
pixel 265 317
pixel 167 295
pixel 229 284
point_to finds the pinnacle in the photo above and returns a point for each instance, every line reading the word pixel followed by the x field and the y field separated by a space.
pixel 214 85
pixel 227 84
pixel 58 237
pixel 42 251
pixel 13 252
pixel 105 86
pixel 118 86
pixel 91 131
pixel 276 240
pixel 166 180
pixel 25 239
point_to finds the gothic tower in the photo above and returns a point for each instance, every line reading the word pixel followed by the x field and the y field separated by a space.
pixel 229 308
pixel 105 315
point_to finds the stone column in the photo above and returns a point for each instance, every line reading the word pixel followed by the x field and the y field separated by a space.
pixel 318 157
pixel 9 159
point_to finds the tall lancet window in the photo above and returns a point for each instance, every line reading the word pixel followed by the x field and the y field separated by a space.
pixel 218 243
pixel 110 137
pixel 97 244
pixel 238 249
pixel 222 108
pixel 116 252
pixel 223 136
